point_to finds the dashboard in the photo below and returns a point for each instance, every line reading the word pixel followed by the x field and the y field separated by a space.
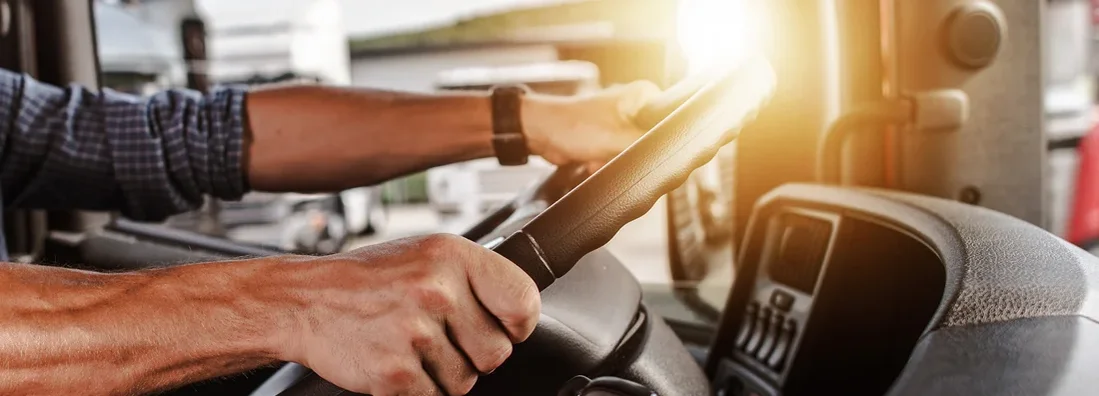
pixel 819 281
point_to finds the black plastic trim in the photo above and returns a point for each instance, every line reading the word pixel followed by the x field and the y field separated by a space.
pixel 187 239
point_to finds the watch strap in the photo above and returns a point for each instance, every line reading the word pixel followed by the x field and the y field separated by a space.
pixel 509 141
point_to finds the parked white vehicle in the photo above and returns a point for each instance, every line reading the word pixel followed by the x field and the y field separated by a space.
pixel 481 185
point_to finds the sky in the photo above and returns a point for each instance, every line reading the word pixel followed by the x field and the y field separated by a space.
pixel 366 17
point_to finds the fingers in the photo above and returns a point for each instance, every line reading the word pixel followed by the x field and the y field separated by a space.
pixel 613 144
pixel 445 364
pixel 630 100
pixel 504 290
pixel 632 97
pixel 403 379
pixel 495 305
pixel 480 336
pixel 422 316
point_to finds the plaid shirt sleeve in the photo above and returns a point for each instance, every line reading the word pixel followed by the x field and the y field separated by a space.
pixel 148 158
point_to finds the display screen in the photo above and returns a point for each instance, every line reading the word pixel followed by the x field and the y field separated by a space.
pixel 799 251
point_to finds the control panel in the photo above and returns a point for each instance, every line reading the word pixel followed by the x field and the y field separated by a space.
pixel 817 282
pixel 793 257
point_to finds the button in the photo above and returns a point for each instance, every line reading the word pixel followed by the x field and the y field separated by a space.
pixel 974 34
pixel 785 340
pixel 731 386
pixel 762 322
pixel 782 301
pixel 774 328
pixel 749 323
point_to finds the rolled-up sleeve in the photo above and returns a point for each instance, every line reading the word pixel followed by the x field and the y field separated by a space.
pixel 146 157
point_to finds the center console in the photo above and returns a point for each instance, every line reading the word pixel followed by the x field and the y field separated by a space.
pixel 870 292
pixel 826 300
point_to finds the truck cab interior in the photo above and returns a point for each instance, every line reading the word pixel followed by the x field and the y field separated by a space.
pixel 886 219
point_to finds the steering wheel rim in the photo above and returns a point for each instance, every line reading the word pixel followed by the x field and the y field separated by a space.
pixel 587 217
pixel 708 113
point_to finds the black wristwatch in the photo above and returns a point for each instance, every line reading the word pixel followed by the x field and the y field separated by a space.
pixel 508 139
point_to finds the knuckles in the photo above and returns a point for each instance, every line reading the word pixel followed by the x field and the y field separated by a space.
pixel 431 295
pixel 417 331
pixel 397 379
pixel 442 247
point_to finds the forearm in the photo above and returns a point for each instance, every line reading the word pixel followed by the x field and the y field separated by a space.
pixel 74 332
pixel 323 138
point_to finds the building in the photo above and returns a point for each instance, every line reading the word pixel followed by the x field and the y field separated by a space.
pixel 627 39
pixel 625 45
pixel 280 40
pixel 138 51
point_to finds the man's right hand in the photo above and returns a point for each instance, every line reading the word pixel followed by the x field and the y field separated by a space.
pixel 418 316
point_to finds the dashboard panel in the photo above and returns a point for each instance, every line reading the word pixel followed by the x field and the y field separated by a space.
pixel 818 281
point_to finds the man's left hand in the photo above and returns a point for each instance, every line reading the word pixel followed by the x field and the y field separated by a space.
pixel 589 129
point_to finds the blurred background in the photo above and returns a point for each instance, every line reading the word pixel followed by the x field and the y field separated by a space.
pixel 556 47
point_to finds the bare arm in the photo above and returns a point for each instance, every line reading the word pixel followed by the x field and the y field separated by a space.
pixel 75 332
pixel 373 321
pixel 324 138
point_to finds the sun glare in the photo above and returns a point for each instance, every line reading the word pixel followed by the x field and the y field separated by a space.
pixel 719 32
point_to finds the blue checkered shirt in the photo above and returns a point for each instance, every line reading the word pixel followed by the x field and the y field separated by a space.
pixel 70 148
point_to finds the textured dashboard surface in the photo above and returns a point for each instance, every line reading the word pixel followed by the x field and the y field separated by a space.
pixel 998 268
pixel 1012 269
pixel 665 353
pixel 1018 312
pixel 1055 355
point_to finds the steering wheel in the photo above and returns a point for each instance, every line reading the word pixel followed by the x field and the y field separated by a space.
pixel 689 123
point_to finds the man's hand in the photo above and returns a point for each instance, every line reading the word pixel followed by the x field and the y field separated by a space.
pixel 420 316
pixel 589 129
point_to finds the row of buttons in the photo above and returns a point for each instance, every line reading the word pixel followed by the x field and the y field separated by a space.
pixel 766 335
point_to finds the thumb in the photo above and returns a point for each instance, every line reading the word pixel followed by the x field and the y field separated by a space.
pixel 634 96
